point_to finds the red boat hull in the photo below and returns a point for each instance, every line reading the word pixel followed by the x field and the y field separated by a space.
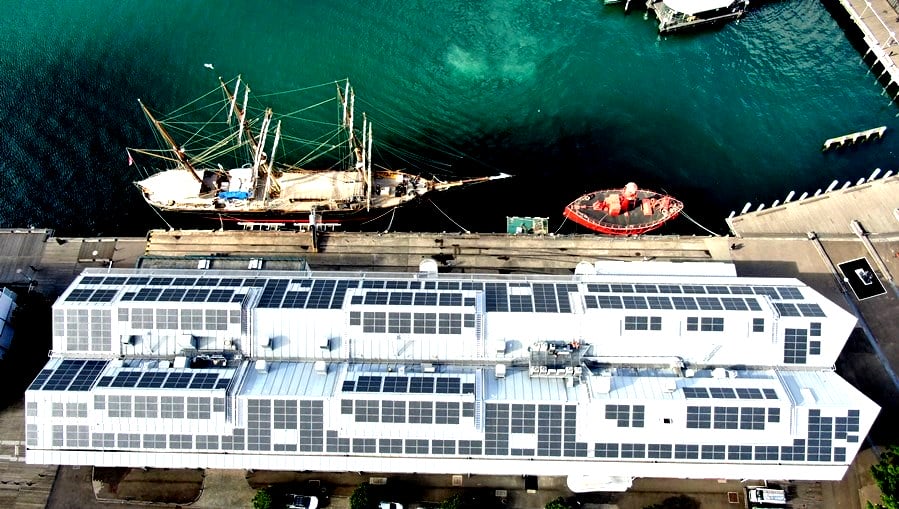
pixel 609 212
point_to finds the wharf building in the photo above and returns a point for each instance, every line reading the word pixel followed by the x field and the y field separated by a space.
pixel 628 369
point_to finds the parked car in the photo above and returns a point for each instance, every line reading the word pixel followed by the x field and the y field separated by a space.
pixel 302 502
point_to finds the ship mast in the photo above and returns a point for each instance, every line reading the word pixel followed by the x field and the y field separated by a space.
pixel 179 153
pixel 348 99
pixel 367 139
pixel 262 168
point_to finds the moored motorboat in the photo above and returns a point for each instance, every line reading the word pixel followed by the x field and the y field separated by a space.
pixel 628 211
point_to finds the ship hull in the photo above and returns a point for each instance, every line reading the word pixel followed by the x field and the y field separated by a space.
pixel 647 212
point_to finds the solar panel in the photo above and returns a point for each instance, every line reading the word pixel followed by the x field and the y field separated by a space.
pixel 812 310
pixel 496 297
pixel 80 295
pixel 273 293
pixel 184 281
pixel 196 295
pixel 220 295
pixel 717 289
pixel 788 292
pixel 367 383
pixel 126 379
pixel 448 285
pixel 396 384
pixel 597 288
pixel 160 281
pixel 376 298
pixel 415 285
pixel 203 381
pixel 469 285
pixel 255 282
pixel 340 293
pixel 450 299
pixel 421 385
pixel 177 380
pixel 147 294
pixel 128 296
pixel 400 298
pixel 396 285
pixel 294 300
pixel 62 376
pixel 468 388
pixel 786 309
pixel 644 288
pixel 521 303
pixel 222 383
pixel 425 299
pixel 621 288
pixel 171 295
pixel 670 289
pixel 87 376
pixel 40 379
pixel 545 298
pixel 103 295
pixel 228 281
pixel 770 393
pixel 348 385
pixel 208 281
pixel 91 280
pixel 450 385
pixel 104 381
pixel 373 283
pixel 321 293
pixel 429 285
pixel 562 291
pixel 656 302
pixel 709 303
pixel 695 392
pixel 152 379
pixel 114 280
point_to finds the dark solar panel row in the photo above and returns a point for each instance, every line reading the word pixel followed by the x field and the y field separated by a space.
pixel 405 384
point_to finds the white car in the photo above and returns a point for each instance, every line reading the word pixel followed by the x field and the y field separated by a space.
pixel 390 505
pixel 302 502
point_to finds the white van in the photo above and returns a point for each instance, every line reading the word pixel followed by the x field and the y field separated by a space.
pixel 764 496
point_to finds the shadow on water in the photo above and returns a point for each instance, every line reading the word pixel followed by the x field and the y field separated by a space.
pixel 31 343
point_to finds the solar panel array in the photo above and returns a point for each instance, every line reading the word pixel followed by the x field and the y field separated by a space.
pixel 70 375
pixel 405 384
pixel 138 378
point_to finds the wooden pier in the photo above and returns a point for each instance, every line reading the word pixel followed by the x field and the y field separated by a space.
pixel 878 23
pixel 854 138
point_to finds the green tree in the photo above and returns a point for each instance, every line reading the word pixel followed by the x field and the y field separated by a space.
pixel 263 499
pixel 558 503
pixel 678 502
pixel 361 497
pixel 453 502
pixel 886 475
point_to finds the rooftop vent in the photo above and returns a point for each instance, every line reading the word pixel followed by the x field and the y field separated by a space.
pixel 261 366
pixel 203 264
pixel 321 367
pixel 584 269
pixel 500 371
pixel 255 264
pixel 428 266
pixel 428 367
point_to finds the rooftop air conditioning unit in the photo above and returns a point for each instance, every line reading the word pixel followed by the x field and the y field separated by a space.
pixel 719 373
pixel 181 362
pixel 203 264
pixel 261 366
pixel 428 367
pixel 321 367
pixel 427 267
pixel 500 371
pixel 255 264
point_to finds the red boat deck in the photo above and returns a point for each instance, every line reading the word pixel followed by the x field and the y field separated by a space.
pixel 627 211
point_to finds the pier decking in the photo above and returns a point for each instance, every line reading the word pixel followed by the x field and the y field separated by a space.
pixel 829 214
pixel 854 138
pixel 878 21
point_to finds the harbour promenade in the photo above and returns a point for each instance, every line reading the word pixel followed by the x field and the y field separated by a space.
pixel 773 243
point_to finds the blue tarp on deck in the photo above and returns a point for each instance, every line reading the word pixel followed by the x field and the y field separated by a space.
pixel 237 195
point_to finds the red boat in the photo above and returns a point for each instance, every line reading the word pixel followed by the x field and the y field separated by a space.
pixel 628 211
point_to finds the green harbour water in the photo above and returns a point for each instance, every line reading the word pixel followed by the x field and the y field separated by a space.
pixel 568 96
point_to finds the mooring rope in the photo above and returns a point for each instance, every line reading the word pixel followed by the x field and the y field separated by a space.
pixel 446 216
pixel 379 217
pixel 392 215
pixel 699 225
pixel 561 225
pixel 160 217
